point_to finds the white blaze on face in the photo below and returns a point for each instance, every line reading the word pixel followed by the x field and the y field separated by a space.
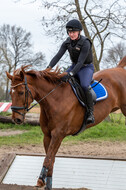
pixel 13 91
pixel 124 67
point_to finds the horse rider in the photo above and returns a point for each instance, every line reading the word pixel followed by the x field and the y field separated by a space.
pixel 80 51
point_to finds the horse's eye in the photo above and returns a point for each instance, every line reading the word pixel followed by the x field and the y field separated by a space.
pixel 20 93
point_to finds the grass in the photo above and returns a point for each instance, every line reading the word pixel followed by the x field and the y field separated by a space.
pixel 31 135
pixel 5 113
pixel 105 131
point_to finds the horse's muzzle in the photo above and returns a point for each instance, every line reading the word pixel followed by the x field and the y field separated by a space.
pixel 17 118
pixel 18 121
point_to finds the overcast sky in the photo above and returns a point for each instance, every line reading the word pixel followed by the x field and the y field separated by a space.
pixel 27 15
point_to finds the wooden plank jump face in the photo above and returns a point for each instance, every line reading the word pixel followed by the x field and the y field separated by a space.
pixel 5 163
pixel 94 174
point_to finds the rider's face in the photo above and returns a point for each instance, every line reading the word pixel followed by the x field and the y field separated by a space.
pixel 73 34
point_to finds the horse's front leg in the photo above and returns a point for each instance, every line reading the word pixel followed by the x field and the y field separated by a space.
pixel 47 170
pixel 46 142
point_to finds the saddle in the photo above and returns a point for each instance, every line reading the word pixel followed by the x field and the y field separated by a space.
pixel 98 91
pixel 79 92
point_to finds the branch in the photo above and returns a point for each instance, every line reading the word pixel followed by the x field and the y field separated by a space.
pixel 93 22
pixel 102 47
pixel 81 19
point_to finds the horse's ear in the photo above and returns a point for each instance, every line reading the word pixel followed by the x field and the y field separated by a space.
pixel 22 74
pixel 9 76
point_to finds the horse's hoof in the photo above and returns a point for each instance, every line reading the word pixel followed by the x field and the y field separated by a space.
pixel 40 183
pixel 47 188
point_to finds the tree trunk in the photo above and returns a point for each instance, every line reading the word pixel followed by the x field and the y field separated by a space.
pixel 7 119
pixel 7 94
pixel 95 61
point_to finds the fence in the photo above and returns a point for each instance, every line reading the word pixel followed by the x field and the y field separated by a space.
pixel 5 106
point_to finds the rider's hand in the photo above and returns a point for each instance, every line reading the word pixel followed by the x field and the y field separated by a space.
pixel 65 78
pixel 48 67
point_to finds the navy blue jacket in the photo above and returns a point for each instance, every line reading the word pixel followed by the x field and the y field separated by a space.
pixel 80 52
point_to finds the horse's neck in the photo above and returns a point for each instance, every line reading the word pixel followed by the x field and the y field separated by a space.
pixel 51 96
pixel 46 90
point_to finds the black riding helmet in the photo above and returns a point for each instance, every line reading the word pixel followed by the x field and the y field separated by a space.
pixel 73 25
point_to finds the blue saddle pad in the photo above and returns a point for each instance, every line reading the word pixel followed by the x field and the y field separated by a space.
pixel 100 90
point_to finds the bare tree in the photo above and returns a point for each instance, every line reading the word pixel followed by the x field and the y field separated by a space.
pixel 102 21
pixel 2 92
pixel 114 55
pixel 16 50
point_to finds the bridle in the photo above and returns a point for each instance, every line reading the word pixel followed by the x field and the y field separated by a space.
pixel 27 92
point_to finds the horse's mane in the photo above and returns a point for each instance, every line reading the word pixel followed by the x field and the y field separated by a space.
pixel 122 63
pixel 48 74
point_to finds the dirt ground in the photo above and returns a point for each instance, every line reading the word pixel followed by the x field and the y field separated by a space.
pixel 101 149
pixel 35 109
pixel 17 187
pixel 10 132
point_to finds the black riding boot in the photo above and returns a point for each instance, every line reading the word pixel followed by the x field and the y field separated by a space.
pixel 89 103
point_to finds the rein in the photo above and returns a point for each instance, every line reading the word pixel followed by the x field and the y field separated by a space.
pixel 45 96
pixel 97 83
pixel 27 91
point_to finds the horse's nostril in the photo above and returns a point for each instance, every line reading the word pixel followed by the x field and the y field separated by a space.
pixel 18 121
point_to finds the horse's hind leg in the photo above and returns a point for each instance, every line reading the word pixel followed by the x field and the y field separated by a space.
pixel 123 109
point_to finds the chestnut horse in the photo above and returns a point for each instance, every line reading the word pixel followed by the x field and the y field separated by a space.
pixel 60 112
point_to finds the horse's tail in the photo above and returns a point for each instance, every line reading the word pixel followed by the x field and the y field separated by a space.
pixel 122 63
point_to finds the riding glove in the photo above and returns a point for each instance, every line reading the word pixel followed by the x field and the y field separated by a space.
pixel 48 67
pixel 67 77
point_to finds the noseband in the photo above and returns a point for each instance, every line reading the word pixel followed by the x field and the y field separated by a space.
pixel 27 91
